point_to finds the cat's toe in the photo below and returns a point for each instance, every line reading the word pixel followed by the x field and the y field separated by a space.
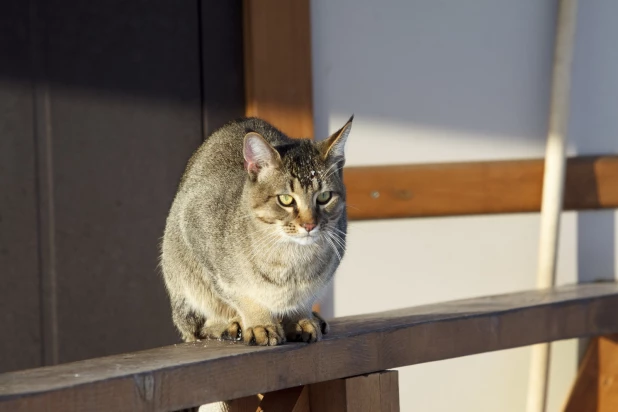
pixel 324 327
pixel 305 330
pixel 268 335
pixel 232 332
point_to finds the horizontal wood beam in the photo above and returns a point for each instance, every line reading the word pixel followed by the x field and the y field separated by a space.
pixel 380 192
pixel 185 375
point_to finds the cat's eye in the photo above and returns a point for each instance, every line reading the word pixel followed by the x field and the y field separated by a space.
pixel 324 197
pixel 285 200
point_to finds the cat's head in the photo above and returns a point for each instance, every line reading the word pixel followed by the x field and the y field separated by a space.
pixel 297 190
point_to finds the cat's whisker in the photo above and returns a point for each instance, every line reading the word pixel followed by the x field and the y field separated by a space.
pixel 337 229
pixel 265 240
pixel 272 246
pixel 326 173
pixel 338 240
pixel 262 237
pixel 331 173
pixel 333 246
pixel 262 250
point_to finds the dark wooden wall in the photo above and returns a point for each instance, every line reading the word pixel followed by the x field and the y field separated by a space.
pixel 101 105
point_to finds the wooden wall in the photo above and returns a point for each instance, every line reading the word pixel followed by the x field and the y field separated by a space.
pixel 101 105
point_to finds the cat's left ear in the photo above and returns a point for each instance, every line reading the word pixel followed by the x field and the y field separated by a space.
pixel 333 148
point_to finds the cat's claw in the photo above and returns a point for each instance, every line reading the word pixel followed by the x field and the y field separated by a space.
pixel 232 332
pixel 307 330
pixel 324 327
pixel 267 335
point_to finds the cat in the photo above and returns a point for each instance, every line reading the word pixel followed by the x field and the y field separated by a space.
pixel 255 233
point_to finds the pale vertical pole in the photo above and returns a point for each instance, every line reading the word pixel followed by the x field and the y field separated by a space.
pixel 553 187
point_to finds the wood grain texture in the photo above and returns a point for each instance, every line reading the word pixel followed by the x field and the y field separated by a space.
pixel 184 375
pixel 221 34
pixel 375 392
pixel 125 115
pixel 389 391
pixel 277 61
pixel 286 400
pixel 328 396
pixel 20 310
pixel 379 192
pixel 596 385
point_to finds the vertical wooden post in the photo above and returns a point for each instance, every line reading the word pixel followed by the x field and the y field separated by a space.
pixel 277 44
pixel 278 77
pixel 596 385
pixel 376 392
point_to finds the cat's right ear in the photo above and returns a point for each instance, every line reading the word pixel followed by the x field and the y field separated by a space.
pixel 259 154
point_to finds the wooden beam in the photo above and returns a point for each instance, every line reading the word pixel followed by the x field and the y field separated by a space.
pixel 277 48
pixel 596 385
pixel 185 375
pixel 380 192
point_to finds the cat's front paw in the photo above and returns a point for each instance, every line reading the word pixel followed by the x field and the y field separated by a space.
pixel 266 335
pixel 306 330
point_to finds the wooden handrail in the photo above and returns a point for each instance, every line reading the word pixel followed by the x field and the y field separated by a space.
pixel 185 375
pixel 472 188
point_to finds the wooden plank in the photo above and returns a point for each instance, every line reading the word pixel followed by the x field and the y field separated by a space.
pixel 223 91
pixel 20 311
pixel 513 186
pixel 596 385
pixel 278 64
pixel 125 115
pixel 184 375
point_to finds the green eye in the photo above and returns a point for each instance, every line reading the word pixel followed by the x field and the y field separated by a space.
pixel 324 197
pixel 285 200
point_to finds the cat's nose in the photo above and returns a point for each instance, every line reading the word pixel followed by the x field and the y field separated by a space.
pixel 309 226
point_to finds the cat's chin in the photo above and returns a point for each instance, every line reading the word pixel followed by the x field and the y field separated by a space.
pixel 304 240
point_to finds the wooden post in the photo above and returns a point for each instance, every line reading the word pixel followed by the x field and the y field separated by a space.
pixel 596 385
pixel 376 392
pixel 277 48
pixel 278 81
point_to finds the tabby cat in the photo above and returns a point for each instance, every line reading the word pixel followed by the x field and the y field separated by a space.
pixel 254 235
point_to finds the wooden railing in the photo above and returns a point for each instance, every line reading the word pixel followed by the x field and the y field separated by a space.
pixel 185 375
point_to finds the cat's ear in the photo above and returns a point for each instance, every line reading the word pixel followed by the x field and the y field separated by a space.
pixel 259 154
pixel 333 148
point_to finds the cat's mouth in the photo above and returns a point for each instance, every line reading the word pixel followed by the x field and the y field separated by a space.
pixel 307 238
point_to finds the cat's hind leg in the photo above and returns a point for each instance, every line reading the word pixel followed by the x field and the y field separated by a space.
pixel 188 321
pixel 231 330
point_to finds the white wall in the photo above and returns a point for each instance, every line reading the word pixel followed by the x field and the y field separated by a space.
pixel 436 80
